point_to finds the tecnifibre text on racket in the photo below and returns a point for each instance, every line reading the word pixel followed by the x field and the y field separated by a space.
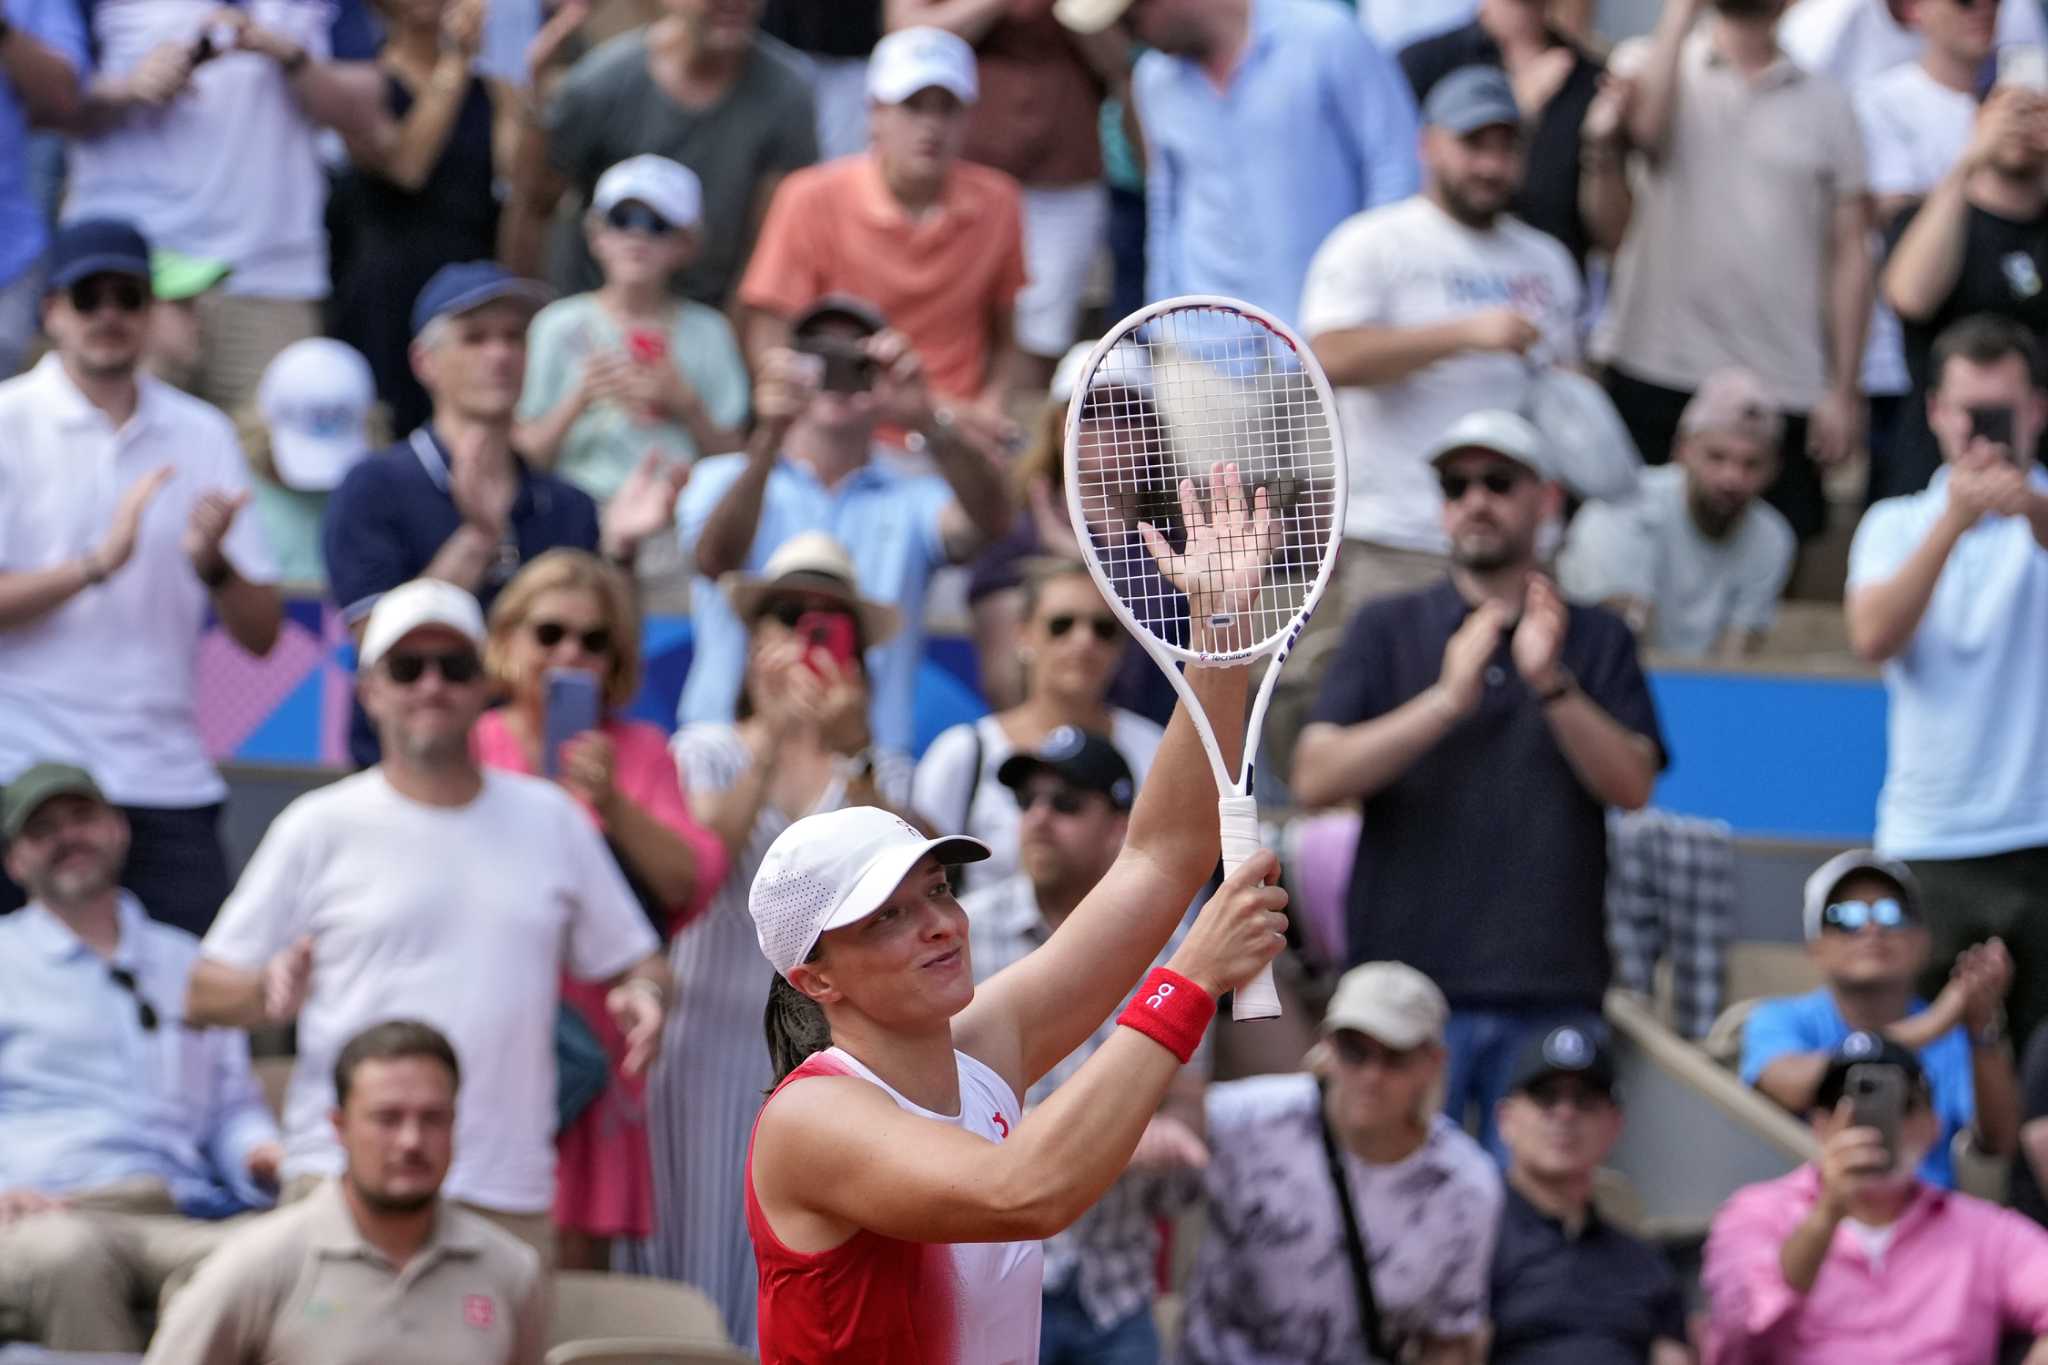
pixel 1173 391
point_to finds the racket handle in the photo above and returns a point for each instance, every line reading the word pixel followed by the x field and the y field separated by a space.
pixel 1239 818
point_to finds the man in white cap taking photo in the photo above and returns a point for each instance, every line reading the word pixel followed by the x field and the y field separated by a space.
pixel 632 367
pixel 934 242
pixel 429 887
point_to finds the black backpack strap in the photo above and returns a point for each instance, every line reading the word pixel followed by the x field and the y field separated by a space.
pixel 1354 1236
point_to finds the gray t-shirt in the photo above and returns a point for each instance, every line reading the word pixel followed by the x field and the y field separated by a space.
pixel 1649 547
pixel 609 108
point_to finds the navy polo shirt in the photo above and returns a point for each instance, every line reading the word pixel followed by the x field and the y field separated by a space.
pixel 393 513
pixel 1485 864
pixel 1600 1298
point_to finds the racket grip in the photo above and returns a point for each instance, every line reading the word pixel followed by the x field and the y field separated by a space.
pixel 1238 817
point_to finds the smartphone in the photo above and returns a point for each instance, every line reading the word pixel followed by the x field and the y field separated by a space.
pixel 2024 65
pixel 1877 1099
pixel 1994 424
pixel 829 633
pixel 848 368
pixel 573 701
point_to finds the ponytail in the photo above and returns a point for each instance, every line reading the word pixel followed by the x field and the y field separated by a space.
pixel 795 1026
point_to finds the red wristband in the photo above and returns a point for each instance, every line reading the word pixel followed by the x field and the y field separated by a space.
pixel 1172 1011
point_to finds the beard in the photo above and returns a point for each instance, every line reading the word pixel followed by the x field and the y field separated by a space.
pixel 382 1202
pixel 86 880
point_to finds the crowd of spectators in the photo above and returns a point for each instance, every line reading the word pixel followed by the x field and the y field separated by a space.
pixel 500 329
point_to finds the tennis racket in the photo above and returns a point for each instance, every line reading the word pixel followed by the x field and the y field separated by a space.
pixel 1171 392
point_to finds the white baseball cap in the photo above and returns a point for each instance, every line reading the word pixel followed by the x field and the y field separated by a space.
pixel 315 399
pixel 668 187
pixel 1502 432
pixel 1089 16
pixel 1389 1001
pixel 1822 881
pixel 410 606
pixel 828 871
pixel 1124 366
pixel 914 59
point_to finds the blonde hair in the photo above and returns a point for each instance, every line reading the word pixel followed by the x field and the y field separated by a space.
pixel 569 571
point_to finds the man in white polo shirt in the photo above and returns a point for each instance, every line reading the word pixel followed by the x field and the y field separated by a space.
pixel 428 887
pixel 1948 589
pixel 119 531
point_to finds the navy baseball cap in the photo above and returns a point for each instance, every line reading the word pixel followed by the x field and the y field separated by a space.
pixel 468 285
pixel 1471 98
pixel 1565 1051
pixel 1077 757
pixel 97 246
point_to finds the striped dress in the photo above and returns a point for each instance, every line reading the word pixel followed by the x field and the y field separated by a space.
pixel 713 1072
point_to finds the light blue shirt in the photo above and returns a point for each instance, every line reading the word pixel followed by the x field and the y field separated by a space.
pixel 89 1097
pixel 888 520
pixel 60 25
pixel 1812 1023
pixel 1243 184
pixel 1966 771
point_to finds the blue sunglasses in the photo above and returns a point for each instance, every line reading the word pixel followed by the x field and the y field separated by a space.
pixel 1850 916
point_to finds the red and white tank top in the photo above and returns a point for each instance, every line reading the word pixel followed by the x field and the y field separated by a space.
pixel 875 1300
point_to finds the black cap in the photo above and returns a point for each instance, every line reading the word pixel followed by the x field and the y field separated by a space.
pixel 841 308
pixel 97 246
pixel 1078 757
pixel 1567 1050
pixel 1865 1049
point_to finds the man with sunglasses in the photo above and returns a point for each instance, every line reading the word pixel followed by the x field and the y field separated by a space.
pixel 129 1139
pixel 120 534
pixel 1100 1280
pixel 1863 930
pixel 1487 726
pixel 1567 1284
pixel 1851 1258
pixel 430 887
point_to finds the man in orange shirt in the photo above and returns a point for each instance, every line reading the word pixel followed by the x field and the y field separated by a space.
pixel 935 242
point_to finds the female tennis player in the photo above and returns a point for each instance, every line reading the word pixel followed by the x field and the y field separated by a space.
pixel 896 1192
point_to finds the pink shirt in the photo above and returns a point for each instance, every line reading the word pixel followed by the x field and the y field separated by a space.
pixel 644 771
pixel 1958 1272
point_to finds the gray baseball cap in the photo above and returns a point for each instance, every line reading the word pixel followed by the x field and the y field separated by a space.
pixel 1471 98
pixel 1504 433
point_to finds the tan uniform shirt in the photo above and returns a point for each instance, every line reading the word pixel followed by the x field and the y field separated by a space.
pixel 1726 259
pixel 302 1287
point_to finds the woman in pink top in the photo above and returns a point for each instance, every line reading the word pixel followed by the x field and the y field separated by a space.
pixel 567 610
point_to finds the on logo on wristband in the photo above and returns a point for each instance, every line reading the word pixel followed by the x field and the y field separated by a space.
pixel 1157 1000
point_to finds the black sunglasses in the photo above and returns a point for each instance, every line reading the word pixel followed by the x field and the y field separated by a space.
pixel 637 217
pixel 1499 482
pixel 1355 1049
pixel 125 294
pixel 596 640
pixel 1850 916
pixel 145 1013
pixel 790 610
pixel 1065 800
pixel 458 667
pixel 1582 1096
pixel 1105 627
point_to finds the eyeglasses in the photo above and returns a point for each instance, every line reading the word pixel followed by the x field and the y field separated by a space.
pixel 127 295
pixel 1584 1098
pixel 1065 800
pixel 145 1013
pixel 636 217
pixel 790 610
pixel 1499 482
pixel 1356 1050
pixel 1850 916
pixel 457 667
pixel 596 640
pixel 1105 627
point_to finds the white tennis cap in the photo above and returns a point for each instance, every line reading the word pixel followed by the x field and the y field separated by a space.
pixel 668 187
pixel 828 871
pixel 315 399
pixel 411 606
pixel 914 59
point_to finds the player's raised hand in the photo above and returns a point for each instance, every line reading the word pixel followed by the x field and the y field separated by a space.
pixel 1230 540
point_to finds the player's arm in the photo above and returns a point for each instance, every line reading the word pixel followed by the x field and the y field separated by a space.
pixel 834 1153
pixel 1026 1018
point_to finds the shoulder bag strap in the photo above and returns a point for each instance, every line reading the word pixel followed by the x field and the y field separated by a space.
pixel 1354 1236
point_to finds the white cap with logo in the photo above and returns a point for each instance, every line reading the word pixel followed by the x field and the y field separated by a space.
pixel 315 398
pixel 828 871
pixel 914 59
pixel 668 187
pixel 414 606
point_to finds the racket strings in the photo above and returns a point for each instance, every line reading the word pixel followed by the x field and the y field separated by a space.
pixel 1168 401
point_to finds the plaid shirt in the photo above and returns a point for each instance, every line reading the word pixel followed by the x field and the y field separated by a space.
pixel 1112 1252
pixel 1671 889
